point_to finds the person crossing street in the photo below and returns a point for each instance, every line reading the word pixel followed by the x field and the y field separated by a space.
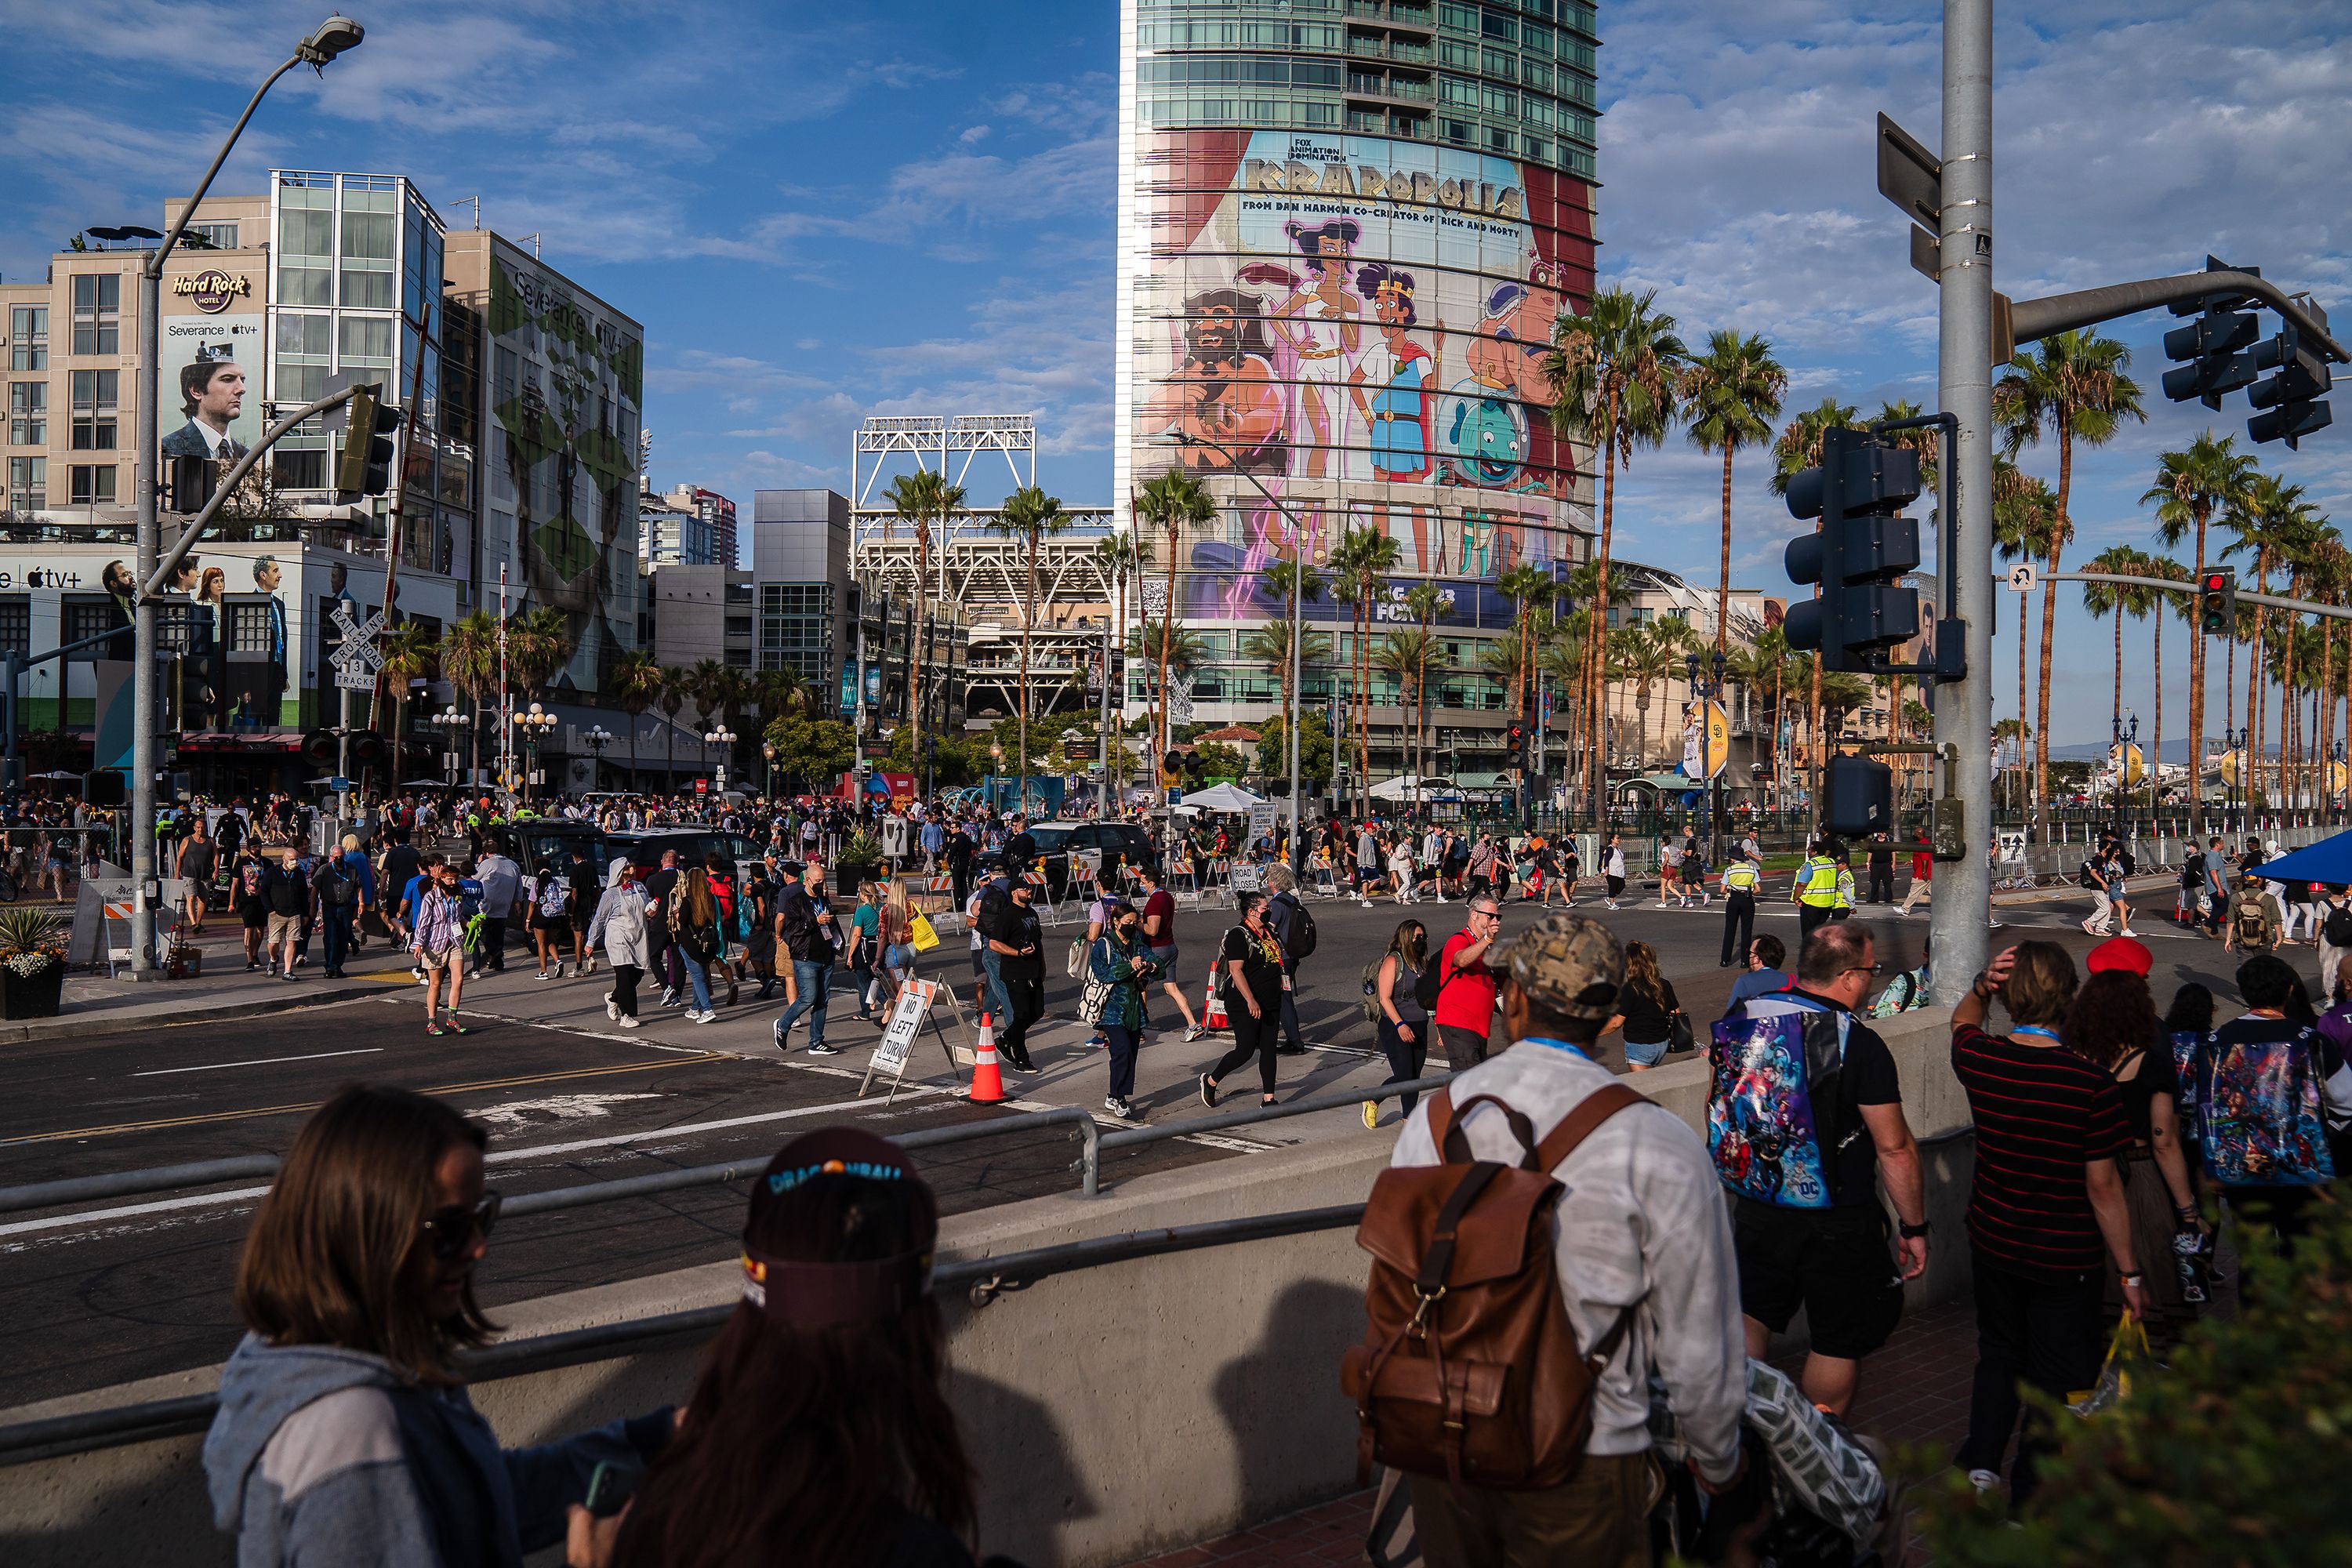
pixel 1741 879
pixel 1814 890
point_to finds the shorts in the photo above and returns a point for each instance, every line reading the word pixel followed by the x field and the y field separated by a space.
pixel 1832 1262
pixel 1165 957
pixel 554 925
pixel 255 914
pixel 284 928
pixel 433 960
pixel 1646 1055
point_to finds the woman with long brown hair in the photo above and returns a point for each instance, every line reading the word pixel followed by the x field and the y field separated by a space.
pixel 1648 1008
pixel 344 1433
pixel 694 932
pixel 818 1430
pixel 2114 1027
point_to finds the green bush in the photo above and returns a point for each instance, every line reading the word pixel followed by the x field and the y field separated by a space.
pixel 2232 1455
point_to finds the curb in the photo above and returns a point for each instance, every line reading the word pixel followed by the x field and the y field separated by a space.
pixel 25 1031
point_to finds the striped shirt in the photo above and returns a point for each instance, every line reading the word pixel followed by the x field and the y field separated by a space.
pixel 2041 1113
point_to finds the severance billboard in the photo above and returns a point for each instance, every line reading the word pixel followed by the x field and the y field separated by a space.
pixel 1358 323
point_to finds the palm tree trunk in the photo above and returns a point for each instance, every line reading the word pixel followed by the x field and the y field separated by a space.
pixel 1167 631
pixel 2155 757
pixel 1028 617
pixel 1723 579
pixel 915 646
pixel 2197 697
pixel 2023 643
pixel 1596 755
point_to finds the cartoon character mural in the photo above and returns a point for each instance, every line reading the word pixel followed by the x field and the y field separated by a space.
pixel 1304 305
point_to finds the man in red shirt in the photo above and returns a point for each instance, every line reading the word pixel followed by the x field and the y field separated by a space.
pixel 1466 988
pixel 1923 872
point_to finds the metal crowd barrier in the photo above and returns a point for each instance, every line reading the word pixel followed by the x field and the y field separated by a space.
pixel 985 1278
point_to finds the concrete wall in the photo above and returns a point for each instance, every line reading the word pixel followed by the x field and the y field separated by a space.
pixel 1113 1412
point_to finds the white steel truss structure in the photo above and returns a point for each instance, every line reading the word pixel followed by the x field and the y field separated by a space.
pixel 976 572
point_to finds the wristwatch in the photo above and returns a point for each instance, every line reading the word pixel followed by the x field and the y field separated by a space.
pixel 1911 1232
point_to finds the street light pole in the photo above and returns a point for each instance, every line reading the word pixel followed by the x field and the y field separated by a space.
pixel 331 37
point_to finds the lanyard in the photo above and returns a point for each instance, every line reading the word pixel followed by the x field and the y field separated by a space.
pixel 1555 1045
pixel 2034 1029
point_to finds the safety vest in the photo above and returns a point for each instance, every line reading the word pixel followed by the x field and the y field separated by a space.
pixel 1741 876
pixel 1817 882
pixel 1845 888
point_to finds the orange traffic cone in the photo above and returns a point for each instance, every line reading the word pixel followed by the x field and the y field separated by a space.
pixel 987 1078
pixel 1213 1006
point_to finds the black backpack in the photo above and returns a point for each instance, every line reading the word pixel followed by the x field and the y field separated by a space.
pixel 1299 931
pixel 2193 870
pixel 2336 928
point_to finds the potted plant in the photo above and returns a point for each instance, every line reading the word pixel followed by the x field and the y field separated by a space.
pixel 32 963
pixel 861 857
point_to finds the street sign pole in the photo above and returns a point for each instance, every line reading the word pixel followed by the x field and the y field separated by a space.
pixel 1962 907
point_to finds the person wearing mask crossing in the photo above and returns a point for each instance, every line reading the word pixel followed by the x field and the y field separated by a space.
pixel 1741 879
pixel 1121 960
pixel 440 944
pixel 1017 939
pixel 1249 978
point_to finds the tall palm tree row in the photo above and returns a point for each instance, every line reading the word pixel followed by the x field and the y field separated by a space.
pixel 2190 487
pixel 469 661
pixel 1176 503
pixel 1615 373
pixel 1731 395
pixel 924 498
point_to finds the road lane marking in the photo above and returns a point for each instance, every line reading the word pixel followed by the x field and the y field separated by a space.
pixel 259 1062
pixel 215 1117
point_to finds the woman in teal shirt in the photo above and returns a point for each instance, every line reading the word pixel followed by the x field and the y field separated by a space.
pixel 866 945
pixel 1121 959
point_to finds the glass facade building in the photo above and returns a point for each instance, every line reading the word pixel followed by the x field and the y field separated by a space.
pixel 1345 229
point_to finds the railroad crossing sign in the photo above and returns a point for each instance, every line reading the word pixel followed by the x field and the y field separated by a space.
pixel 2020 577
pixel 359 638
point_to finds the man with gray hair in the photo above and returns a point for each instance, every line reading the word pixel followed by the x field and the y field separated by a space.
pixel 1640 1233
pixel 1294 929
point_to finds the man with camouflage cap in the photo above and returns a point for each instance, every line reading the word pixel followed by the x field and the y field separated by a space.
pixel 1641 1223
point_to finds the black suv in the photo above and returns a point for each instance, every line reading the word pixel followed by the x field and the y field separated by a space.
pixel 1114 842
pixel 694 846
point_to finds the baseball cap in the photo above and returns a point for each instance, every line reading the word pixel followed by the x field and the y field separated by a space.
pixel 2121 952
pixel 1568 965
pixel 813 1295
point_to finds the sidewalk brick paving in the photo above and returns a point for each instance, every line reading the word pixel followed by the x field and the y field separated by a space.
pixel 1915 1391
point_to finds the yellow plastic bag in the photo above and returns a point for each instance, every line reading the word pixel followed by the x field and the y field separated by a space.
pixel 921 933
pixel 2128 1345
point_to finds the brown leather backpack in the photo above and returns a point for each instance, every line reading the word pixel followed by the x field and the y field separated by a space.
pixel 1470 1368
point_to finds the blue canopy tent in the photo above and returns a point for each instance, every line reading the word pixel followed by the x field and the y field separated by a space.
pixel 2329 860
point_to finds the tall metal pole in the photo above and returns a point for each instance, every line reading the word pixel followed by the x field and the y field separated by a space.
pixel 1297 857
pixel 1962 906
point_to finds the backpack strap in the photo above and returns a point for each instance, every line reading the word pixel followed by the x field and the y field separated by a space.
pixel 1596 1107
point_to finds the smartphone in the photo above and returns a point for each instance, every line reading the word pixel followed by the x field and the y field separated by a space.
pixel 609 1486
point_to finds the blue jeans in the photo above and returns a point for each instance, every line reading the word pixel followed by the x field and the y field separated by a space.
pixel 1641 1053
pixel 1122 1059
pixel 815 984
pixel 698 978
pixel 992 963
pixel 339 935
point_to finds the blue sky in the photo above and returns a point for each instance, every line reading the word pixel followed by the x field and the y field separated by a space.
pixel 820 211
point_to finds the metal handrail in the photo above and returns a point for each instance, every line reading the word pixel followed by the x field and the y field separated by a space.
pixel 986 1279
pixel 120 1183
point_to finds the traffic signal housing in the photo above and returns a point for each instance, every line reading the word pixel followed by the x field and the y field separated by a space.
pixel 2217 601
pixel 2290 397
pixel 2210 347
pixel 365 466
pixel 1515 742
pixel 1859 554
pixel 1857 797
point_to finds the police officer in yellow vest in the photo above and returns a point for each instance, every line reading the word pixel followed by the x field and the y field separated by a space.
pixel 1815 890
pixel 1741 877
pixel 1844 905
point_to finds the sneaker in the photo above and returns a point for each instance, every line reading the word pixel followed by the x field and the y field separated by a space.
pixel 434 1028
pixel 561 970
pixel 819 1048
pixel 627 1023
pixel 701 1018
pixel 457 1028
pixel 777 1030
pixel 588 966
pixel 612 1008
pixel 1197 1032
pixel 1208 1092
pixel 669 997
pixel 1120 1107
pixel 1371 1114
pixel 2128 932
pixel 1984 1480
pixel 543 975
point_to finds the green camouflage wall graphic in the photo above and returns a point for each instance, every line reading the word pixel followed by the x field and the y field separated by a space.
pixel 565 433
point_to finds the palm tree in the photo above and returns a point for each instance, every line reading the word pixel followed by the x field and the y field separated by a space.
pixel 1527 585
pixel 922 498
pixel 2025 524
pixel 410 653
pixel 1403 657
pixel 2013 733
pixel 1268 644
pixel 1175 502
pixel 1360 564
pixel 2274 525
pixel 2118 600
pixel 2328 578
pixel 1030 515
pixel 2191 486
pixel 1424 602
pixel 637 681
pixel 1647 652
pixel 469 661
pixel 677 686
pixel 1614 375
pixel 1731 395
pixel 2161 604
pixel 2072 386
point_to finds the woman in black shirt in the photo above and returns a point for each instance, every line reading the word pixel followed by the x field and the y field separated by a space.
pixel 2113 1024
pixel 1649 1005
pixel 1249 979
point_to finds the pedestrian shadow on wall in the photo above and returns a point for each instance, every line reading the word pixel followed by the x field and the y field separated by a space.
pixel 1029 1486
pixel 1293 1432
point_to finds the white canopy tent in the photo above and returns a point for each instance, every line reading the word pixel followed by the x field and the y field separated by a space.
pixel 1222 797
pixel 1405 786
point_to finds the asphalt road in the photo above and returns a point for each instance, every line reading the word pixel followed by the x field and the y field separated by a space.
pixel 109 1292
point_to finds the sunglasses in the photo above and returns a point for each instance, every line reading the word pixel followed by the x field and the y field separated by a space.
pixel 454 1229
pixel 1878 968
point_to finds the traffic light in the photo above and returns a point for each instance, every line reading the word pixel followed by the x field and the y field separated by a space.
pixel 319 749
pixel 1857 797
pixel 1863 548
pixel 2211 346
pixel 1515 741
pixel 2217 601
pixel 367 747
pixel 2290 396
pixel 365 466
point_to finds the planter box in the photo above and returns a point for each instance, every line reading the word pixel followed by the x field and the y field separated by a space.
pixel 846 876
pixel 35 997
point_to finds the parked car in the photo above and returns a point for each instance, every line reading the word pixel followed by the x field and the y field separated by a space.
pixel 694 846
pixel 1115 842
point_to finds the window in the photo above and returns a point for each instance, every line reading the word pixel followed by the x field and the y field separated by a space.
pixel 1461 57
pixel 1457 90
pixel 365 342
pixel 93 410
pixel 28 337
pixel 249 630
pixel 1455 131
pixel 16 622
pixel 28 484
pixel 1495 25
pixel 305 344
pixel 1502 102
pixel 219 236
pixel 1535 38
pixel 306 245
pixel 98 313
pixel 299 471
pixel 1458 18
pixel 1498 140
pixel 93 486
pixel 1535 73
pixel 29 409
pixel 1498 63
pixel 1537 110
pixel 370 227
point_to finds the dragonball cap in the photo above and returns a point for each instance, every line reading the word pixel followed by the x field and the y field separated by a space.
pixel 2121 952
pixel 823 1295
pixel 1568 965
